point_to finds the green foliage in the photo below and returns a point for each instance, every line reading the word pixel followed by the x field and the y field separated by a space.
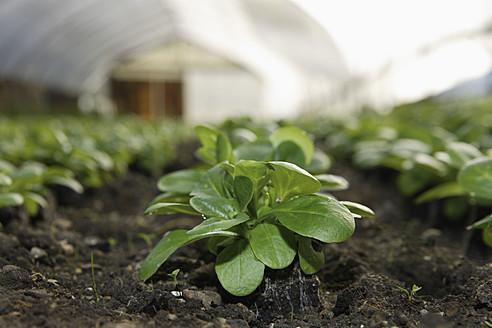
pixel 435 149
pixel 410 293
pixel 94 148
pixel 174 275
pixel 28 184
pixel 472 181
pixel 94 285
pixel 262 208
pixel 257 213
pixel 37 152
pixel 476 178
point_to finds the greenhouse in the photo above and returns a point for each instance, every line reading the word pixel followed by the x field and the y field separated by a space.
pixel 245 163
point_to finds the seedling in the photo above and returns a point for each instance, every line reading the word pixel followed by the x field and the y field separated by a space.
pixel 146 237
pixel 111 241
pixel 130 243
pixel 257 212
pixel 28 184
pixel 476 178
pixel 174 275
pixel 410 293
pixel 488 323
pixel 94 280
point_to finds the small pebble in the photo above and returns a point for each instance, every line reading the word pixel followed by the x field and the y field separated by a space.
pixel 172 317
pixel 206 297
pixel 67 249
pixel 63 224
pixel 38 253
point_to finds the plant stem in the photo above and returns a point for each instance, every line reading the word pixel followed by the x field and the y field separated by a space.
pixel 467 235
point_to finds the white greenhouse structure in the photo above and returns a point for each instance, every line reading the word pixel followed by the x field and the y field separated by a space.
pixel 206 60
pixel 202 60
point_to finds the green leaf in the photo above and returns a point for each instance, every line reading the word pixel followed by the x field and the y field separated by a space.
pixel 369 156
pixel 238 270
pixel 103 160
pixel 487 239
pixel 58 171
pixel 476 177
pixel 255 171
pixel 259 150
pixel 397 163
pixel 171 197
pixel 215 206
pixel 228 167
pixel 165 248
pixel 182 181
pixel 485 223
pixel 444 158
pixel 6 167
pixel 10 199
pixel 66 182
pixel 310 259
pixel 207 135
pixel 211 184
pixel 357 209
pixel 32 202
pixel 431 164
pixel 412 181
pixel 5 180
pixel 317 217
pixel 448 189
pixel 243 189
pixel 240 135
pixel 218 224
pixel 319 163
pixel 55 175
pixel 168 208
pixel 215 242
pixel 296 135
pixel 289 181
pixel 333 182
pixel 37 198
pixel 289 151
pixel 224 149
pixel 174 274
pixel 407 148
pixel 274 245
pixel 206 155
pixel 31 171
pixel 462 152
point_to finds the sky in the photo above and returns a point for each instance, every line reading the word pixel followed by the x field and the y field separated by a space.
pixel 398 42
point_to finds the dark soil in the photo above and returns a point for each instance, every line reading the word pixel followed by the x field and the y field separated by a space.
pixel 46 277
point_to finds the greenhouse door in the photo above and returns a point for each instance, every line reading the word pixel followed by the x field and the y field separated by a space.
pixel 148 99
pixel 173 99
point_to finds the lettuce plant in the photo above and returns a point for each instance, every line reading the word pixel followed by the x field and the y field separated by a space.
pixel 472 183
pixel 96 149
pixel 476 178
pixel 256 213
pixel 28 184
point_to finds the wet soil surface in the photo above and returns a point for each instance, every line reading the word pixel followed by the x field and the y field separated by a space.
pixel 47 278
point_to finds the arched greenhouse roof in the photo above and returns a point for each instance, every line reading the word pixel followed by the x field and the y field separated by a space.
pixel 74 45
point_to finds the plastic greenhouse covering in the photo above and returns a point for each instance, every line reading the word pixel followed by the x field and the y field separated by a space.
pixel 271 58
pixel 75 45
